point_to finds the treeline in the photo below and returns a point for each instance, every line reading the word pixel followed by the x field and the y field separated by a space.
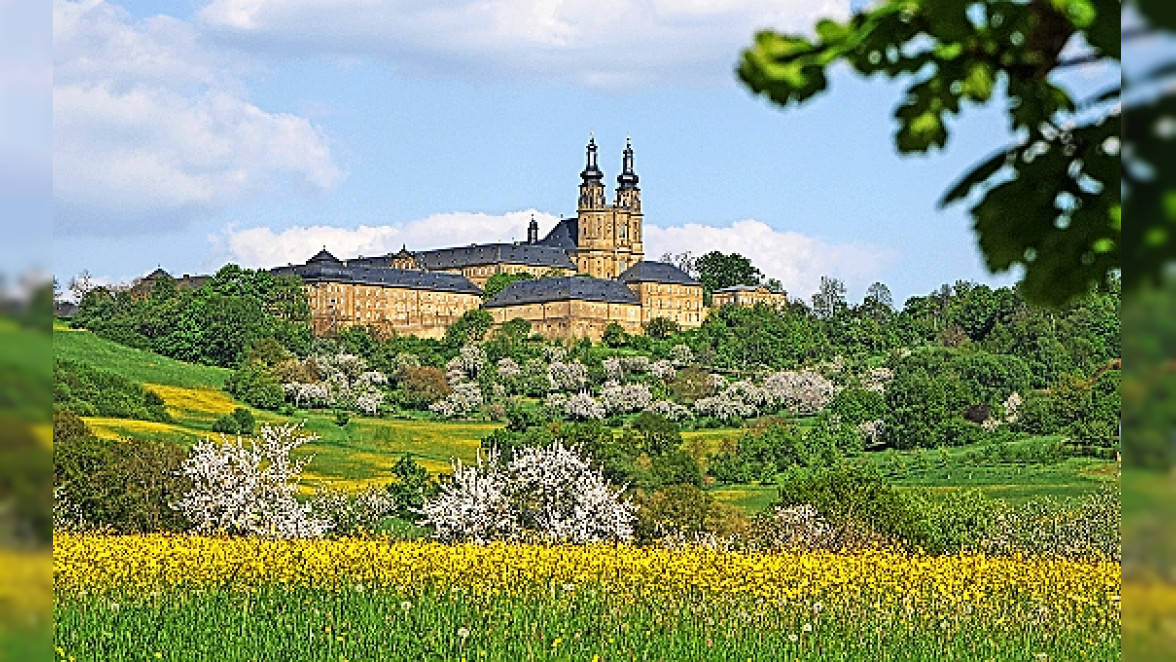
pixel 214 324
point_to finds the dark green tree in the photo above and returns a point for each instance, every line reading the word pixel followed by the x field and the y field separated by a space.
pixel 717 270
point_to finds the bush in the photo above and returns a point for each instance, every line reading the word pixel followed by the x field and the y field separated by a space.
pixel 124 487
pixel 254 385
pixel 685 512
pixel 239 422
pixel 422 386
pixel 248 488
pixel 410 486
pixel 847 493
pixel 89 391
pixel 352 513
pixel 546 493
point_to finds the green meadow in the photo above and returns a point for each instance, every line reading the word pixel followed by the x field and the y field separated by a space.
pixel 362 451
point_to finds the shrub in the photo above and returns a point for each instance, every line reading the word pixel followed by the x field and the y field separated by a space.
pixel 685 512
pixel 352 513
pixel 241 487
pixel 241 421
pixel 548 493
pixel 846 493
pixel 422 386
pixel 254 385
pixel 124 487
pixel 89 391
pixel 1091 530
pixel 410 486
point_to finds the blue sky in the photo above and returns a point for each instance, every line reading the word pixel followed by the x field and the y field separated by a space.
pixel 257 132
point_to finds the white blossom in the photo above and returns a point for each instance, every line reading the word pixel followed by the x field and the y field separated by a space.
pixel 473 359
pixel 664 369
pixel 248 487
pixel 550 493
pixel 625 399
pixel 571 376
pixel 613 369
pixel 465 399
pixel 635 365
pixel 670 410
pixel 877 379
pixel 583 406
pixel 508 368
pixel 804 392
pixel 369 402
pixel 681 355
pixel 352 513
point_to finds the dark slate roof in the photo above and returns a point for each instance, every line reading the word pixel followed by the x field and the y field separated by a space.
pixel 561 289
pixel 564 235
pixel 323 256
pixel 516 253
pixel 320 272
pixel 157 274
pixel 656 272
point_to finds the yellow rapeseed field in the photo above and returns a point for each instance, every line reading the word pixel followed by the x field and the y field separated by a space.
pixel 1059 593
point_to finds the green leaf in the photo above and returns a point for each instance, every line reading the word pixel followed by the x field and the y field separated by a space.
pixel 978 83
pixel 831 32
pixel 978 175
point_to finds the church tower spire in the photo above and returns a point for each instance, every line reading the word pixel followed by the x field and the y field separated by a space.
pixel 628 195
pixel 533 231
pixel 627 179
pixel 591 181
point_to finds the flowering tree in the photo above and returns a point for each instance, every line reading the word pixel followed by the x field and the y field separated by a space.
pixel 473 359
pixel 583 406
pixel 571 376
pixel 344 381
pixel 508 368
pixel 465 399
pixel 670 410
pixel 664 369
pixel 681 355
pixel 624 399
pixel 803 392
pixel 244 487
pixel 550 493
pixel 352 513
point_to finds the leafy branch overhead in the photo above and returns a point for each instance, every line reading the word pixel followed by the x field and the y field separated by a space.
pixel 1049 203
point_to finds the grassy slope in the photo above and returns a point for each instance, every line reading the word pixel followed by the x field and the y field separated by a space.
pixel 364 450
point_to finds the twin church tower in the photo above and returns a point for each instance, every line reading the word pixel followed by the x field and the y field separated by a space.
pixel 604 240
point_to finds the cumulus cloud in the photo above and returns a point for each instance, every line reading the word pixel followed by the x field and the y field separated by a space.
pixel 264 247
pixel 152 127
pixel 607 43
pixel 797 260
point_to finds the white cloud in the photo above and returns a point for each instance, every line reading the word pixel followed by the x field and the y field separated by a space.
pixel 606 43
pixel 263 247
pixel 797 260
pixel 151 126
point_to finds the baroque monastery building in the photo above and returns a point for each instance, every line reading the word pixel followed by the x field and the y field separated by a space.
pixel 589 271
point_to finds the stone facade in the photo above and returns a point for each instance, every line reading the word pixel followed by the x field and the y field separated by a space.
pixel 749 295
pixel 568 307
pixel 386 309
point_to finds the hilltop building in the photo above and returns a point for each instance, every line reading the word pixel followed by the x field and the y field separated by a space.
pixel 590 271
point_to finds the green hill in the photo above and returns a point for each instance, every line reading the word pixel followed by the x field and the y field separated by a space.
pixel 360 452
